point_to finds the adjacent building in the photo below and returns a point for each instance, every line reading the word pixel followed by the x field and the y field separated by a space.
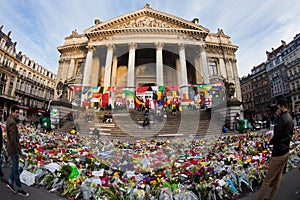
pixel 247 96
pixel 261 91
pixel 291 57
pixel 22 81
pixel 276 70
pixel 277 77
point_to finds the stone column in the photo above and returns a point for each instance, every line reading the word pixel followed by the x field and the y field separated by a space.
pixel 222 67
pixel 178 71
pixel 7 85
pixel 183 77
pixel 71 68
pixel 65 69
pixel 87 66
pixel 204 64
pixel 14 86
pixel 131 65
pixel 114 71
pixel 229 70
pixel 159 64
pixel 198 69
pixel 236 81
pixel 59 71
pixel 2 59
pixel 107 72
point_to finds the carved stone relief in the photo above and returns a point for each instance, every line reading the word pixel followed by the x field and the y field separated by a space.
pixel 145 22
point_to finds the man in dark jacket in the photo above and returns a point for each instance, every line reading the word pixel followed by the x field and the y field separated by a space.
pixel 280 152
pixel 14 151
pixel 4 180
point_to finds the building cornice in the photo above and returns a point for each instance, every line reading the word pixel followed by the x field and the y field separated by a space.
pixel 104 33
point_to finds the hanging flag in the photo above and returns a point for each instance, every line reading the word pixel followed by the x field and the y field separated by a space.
pixel 139 100
pixel 174 94
pixel 142 89
pixel 70 87
pixel 96 95
pixel 89 94
pixel 160 102
pixel 85 89
pixel 174 87
pixel 95 89
pixel 198 86
pixel 161 88
pixel 105 89
pixel 159 95
pixel 185 96
pixel 128 92
pixel 77 88
pixel 154 88
pixel 105 99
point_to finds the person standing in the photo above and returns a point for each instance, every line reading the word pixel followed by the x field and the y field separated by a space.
pixel 281 142
pixel 4 180
pixel 14 151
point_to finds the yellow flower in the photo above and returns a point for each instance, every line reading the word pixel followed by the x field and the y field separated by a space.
pixel 116 174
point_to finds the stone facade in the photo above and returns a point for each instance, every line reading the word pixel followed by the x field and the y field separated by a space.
pixel 291 57
pixel 22 80
pixel 147 47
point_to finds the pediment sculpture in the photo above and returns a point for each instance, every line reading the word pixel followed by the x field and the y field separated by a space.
pixel 146 22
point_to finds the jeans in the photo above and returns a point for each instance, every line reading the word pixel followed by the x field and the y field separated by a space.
pixel 273 176
pixel 1 173
pixel 14 175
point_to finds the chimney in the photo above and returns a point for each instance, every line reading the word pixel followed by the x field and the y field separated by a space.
pixel 283 43
pixel 195 20
pixel 268 55
pixel 8 34
pixel 1 27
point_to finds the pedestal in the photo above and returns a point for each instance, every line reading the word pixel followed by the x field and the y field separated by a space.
pixel 59 109
pixel 233 107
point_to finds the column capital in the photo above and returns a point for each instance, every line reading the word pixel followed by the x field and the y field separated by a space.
pixel 159 45
pixel 132 45
pixel 90 47
pixel 110 46
pixel 181 46
pixel 202 47
pixel 62 60
pixel 197 55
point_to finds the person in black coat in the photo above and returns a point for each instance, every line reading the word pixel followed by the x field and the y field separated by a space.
pixel 280 153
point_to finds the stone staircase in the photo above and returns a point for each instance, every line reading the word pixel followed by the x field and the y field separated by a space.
pixel 128 124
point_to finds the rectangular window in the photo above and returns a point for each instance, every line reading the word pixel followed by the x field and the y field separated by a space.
pixel 213 68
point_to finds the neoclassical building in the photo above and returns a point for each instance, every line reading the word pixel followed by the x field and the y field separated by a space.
pixel 23 81
pixel 147 47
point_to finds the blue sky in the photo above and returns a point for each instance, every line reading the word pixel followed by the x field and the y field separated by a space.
pixel 256 26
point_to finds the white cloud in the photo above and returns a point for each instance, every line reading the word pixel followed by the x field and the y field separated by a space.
pixel 255 26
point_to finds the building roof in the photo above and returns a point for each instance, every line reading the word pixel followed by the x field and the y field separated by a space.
pixel 276 51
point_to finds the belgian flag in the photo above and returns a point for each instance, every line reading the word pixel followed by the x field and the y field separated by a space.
pixel 139 100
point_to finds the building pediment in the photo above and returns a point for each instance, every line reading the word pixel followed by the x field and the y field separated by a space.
pixel 146 20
